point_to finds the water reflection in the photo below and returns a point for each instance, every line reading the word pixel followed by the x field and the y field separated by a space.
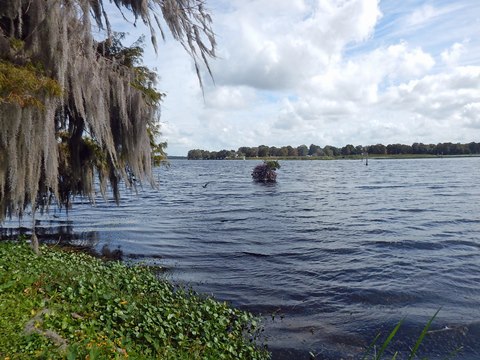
pixel 54 232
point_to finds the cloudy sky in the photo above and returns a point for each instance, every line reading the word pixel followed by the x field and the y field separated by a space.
pixel 327 72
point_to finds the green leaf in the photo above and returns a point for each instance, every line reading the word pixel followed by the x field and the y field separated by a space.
pixel 388 340
pixel 422 335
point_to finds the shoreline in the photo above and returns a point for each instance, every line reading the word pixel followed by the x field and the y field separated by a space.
pixel 348 157
pixel 68 304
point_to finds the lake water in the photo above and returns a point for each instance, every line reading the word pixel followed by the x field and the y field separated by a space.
pixel 332 254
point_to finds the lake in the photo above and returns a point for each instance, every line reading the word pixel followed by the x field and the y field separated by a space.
pixel 332 254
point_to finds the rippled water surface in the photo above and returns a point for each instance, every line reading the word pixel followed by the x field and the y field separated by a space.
pixel 335 251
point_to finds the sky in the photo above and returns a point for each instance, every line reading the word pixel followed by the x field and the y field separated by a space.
pixel 293 72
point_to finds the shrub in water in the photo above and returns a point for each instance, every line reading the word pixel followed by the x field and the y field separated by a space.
pixel 266 172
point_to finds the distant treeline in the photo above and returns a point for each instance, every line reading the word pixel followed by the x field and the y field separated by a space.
pixel 264 151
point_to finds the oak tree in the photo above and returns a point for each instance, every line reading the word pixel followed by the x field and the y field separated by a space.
pixel 73 107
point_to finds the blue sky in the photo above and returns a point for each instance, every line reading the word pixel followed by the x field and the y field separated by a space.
pixel 294 72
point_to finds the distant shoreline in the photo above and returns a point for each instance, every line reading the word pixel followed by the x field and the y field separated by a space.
pixel 346 157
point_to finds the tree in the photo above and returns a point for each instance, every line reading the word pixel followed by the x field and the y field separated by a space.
pixel 195 154
pixel 302 150
pixel 348 150
pixel 263 151
pixel 283 151
pixel 71 106
pixel 291 151
pixel 330 150
pixel 397 149
pixel 273 151
pixel 266 172
pixel 223 154
pixel 474 148
pixel 419 148
pixel 314 149
pixel 250 152
pixel 378 149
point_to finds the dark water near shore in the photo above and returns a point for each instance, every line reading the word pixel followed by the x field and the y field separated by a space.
pixel 335 250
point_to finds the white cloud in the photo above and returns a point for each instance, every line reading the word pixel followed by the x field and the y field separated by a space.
pixel 423 14
pixel 327 72
pixel 471 114
pixel 451 56
pixel 259 50
pixel 347 87
pixel 229 98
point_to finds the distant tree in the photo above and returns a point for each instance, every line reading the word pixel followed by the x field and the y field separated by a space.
pixel 263 151
pixel 474 148
pixel 419 148
pixel 252 152
pixel 302 150
pixel 249 152
pixel 283 151
pixel 195 154
pixel 377 149
pixel 273 151
pixel 211 155
pixel 223 154
pixel 291 151
pixel 444 148
pixel 394 149
pixel 331 151
pixel 314 150
pixel 320 152
pixel 398 149
pixel 348 150
pixel 243 151
pixel 359 149
pixel 459 149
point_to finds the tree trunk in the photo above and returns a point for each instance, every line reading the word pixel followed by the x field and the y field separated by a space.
pixel 34 243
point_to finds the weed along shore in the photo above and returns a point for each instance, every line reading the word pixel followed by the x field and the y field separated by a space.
pixel 71 305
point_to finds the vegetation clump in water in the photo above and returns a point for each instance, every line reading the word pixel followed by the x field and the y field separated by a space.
pixel 71 305
pixel 266 172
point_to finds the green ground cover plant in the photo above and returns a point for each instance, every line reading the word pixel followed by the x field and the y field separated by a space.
pixel 70 305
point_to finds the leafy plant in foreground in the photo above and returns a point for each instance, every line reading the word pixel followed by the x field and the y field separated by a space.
pixel 107 310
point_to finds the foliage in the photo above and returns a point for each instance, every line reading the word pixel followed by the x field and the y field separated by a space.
pixel 329 151
pixel 111 311
pixel 266 172
pixel 25 85
pixel 73 107
pixel 159 155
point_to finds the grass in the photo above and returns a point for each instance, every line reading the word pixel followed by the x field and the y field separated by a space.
pixel 413 353
pixel 69 305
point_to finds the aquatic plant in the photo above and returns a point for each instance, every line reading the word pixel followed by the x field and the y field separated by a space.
pixel 69 305
pixel 266 172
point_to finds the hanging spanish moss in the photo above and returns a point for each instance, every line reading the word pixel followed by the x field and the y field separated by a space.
pixel 72 108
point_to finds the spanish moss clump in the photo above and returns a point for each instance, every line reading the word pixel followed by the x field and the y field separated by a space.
pixel 72 107
pixel 266 172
